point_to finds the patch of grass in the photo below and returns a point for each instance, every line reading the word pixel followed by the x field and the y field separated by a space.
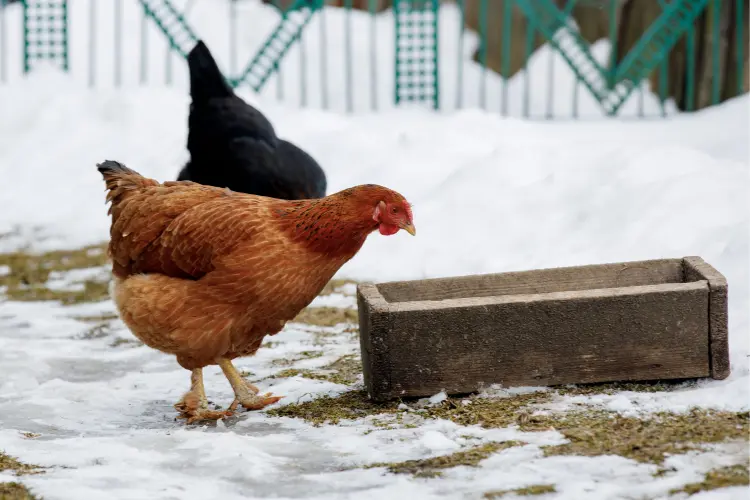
pixel 96 332
pixel 613 387
pixel 724 477
pixel 346 371
pixel 100 318
pixel 432 467
pixel 488 412
pixel 499 412
pixel 326 316
pixel 93 291
pixel 590 433
pixel 348 368
pixel 15 491
pixel 644 440
pixel 29 272
pixel 535 489
pixel 288 373
pixel 323 337
pixel 302 355
pixel 119 342
pixel 474 410
pixel 349 405
pixel 332 286
pixel 8 463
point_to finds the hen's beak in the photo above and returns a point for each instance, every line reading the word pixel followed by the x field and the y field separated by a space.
pixel 409 228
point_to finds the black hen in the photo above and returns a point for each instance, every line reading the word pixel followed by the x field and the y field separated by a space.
pixel 233 145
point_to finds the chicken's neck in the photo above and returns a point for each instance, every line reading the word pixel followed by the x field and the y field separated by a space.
pixel 327 225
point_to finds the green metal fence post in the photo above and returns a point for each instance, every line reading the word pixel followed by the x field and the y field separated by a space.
pixel 45 33
pixel 416 29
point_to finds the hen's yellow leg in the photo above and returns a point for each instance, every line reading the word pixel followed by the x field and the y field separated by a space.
pixel 194 405
pixel 245 393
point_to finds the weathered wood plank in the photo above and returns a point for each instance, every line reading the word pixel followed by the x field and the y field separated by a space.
pixel 538 281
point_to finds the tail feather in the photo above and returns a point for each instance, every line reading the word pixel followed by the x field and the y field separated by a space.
pixel 206 79
pixel 121 180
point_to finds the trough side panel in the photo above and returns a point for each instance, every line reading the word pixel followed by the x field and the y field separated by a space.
pixel 561 279
pixel 718 313
pixel 373 341
pixel 625 337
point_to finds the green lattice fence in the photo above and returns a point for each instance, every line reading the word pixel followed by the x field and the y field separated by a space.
pixel 45 33
pixel 416 53
pixel 530 58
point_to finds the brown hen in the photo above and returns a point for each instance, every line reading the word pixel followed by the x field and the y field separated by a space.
pixel 206 273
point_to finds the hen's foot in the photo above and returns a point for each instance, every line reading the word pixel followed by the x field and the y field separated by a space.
pixel 253 401
pixel 194 408
pixel 245 393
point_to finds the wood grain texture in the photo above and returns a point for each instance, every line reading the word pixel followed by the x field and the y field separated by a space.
pixel 561 279
pixel 718 309
pixel 545 327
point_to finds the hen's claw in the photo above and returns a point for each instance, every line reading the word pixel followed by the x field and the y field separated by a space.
pixel 204 414
pixel 194 407
pixel 253 401
pixel 245 393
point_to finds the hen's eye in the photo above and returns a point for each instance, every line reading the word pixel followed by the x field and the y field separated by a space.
pixel 394 210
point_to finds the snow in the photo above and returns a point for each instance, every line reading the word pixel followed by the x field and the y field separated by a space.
pixel 490 194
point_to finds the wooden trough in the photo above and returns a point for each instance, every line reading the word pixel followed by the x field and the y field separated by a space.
pixel 647 320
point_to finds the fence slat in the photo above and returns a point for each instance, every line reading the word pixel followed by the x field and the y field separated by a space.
pixel 371 8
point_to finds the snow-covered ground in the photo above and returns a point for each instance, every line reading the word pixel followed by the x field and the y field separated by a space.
pixel 490 195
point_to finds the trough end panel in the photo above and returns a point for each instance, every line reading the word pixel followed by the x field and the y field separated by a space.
pixel 696 268
pixel 374 329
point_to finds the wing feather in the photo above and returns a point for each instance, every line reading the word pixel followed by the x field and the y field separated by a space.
pixel 137 233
